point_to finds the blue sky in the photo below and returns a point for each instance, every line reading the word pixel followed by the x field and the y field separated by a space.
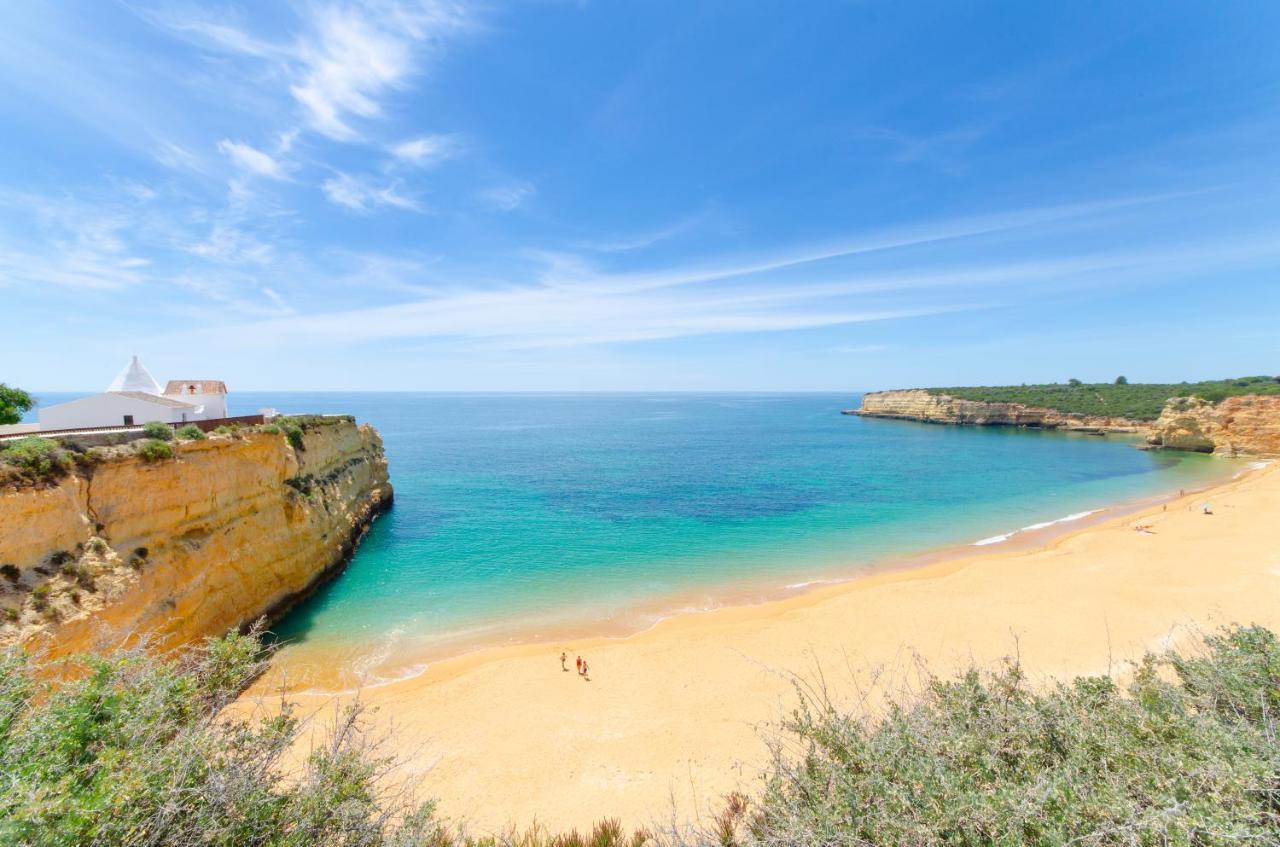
pixel 638 195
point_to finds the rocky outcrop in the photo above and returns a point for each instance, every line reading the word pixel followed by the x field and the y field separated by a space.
pixel 232 528
pixel 1236 426
pixel 919 405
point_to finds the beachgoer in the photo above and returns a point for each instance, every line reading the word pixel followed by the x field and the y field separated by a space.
pixel 1207 509
pixel 585 673
pixel 564 657
pixel 580 663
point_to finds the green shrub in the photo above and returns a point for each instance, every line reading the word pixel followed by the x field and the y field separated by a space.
pixel 293 432
pixel 14 402
pixel 40 598
pixel 37 459
pixel 1136 401
pixel 153 450
pixel 133 750
pixel 157 430
pixel 227 429
pixel 1188 757
pixel 190 432
pixel 11 614
pixel 274 429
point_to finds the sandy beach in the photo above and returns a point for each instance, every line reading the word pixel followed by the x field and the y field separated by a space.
pixel 675 717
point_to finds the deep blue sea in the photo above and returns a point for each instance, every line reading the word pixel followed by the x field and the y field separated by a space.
pixel 521 514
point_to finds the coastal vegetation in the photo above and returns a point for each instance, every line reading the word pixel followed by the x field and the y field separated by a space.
pixel 14 403
pixel 135 749
pixel 158 430
pixel 190 432
pixel 32 460
pixel 154 450
pixel 1121 398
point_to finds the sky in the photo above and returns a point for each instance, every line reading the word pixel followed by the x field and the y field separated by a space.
pixel 632 196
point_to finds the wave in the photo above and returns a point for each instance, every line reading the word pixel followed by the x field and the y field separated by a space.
pixel 997 539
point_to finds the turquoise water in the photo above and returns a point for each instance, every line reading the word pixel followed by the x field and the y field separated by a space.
pixel 519 513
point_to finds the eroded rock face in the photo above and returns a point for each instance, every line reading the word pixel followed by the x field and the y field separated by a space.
pixel 1237 426
pixel 233 528
pixel 920 405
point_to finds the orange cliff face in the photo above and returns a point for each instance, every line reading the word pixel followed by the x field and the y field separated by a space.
pixel 1236 426
pixel 233 528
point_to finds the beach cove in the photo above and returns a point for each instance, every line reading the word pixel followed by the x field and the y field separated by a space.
pixel 677 716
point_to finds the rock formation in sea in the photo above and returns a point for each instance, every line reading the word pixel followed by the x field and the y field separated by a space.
pixel 232 528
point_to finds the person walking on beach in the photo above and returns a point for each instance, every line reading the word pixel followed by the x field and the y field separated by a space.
pixel 564 657
pixel 579 666
pixel 586 674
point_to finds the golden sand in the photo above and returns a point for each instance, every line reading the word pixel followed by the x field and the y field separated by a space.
pixel 675 717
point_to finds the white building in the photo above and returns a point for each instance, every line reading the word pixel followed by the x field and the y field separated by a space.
pixel 136 398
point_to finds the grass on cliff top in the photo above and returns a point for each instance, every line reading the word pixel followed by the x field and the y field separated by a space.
pixel 133 751
pixel 1138 401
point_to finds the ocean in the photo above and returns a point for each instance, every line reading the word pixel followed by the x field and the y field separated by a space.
pixel 525 515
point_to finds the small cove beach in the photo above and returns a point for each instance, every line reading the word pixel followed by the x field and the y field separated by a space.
pixel 677 715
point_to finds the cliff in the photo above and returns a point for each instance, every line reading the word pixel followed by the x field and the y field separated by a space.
pixel 1247 425
pixel 1235 426
pixel 919 405
pixel 230 529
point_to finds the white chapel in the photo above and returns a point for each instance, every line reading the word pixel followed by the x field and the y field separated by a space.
pixel 134 397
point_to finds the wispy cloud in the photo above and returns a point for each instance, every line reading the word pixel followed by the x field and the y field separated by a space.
pixel 251 159
pixel 853 349
pixel 506 197
pixel 346 60
pixel 362 194
pixel 425 150
pixel 566 303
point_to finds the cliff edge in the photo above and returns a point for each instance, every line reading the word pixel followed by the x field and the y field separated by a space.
pixel 229 529
pixel 1245 425
pixel 917 404
pixel 1236 426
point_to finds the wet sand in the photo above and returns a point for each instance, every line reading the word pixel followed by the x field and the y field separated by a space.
pixel 675 717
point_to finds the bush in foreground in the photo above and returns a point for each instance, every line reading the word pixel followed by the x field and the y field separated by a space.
pixel 190 432
pixel 1190 756
pixel 134 751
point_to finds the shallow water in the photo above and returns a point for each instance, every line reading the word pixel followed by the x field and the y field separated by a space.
pixel 521 513
pixel 524 514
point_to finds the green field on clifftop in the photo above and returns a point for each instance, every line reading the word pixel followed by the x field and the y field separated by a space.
pixel 1138 401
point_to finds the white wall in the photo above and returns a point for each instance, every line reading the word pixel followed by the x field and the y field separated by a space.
pixel 108 410
pixel 215 405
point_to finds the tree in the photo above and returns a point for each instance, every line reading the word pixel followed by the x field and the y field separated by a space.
pixel 1122 380
pixel 14 403
pixel 1073 382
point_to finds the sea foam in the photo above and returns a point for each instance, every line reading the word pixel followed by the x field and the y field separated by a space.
pixel 997 539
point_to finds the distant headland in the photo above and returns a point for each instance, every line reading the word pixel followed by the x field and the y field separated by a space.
pixel 1230 417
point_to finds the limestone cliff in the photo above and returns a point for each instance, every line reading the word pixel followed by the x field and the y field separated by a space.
pixel 1248 425
pixel 920 405
pixel 232 528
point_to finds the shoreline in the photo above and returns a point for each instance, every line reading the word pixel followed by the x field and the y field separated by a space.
pixel 676 717
pixel 646 615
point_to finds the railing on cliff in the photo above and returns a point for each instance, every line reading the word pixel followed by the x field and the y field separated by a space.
pixel 204 426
